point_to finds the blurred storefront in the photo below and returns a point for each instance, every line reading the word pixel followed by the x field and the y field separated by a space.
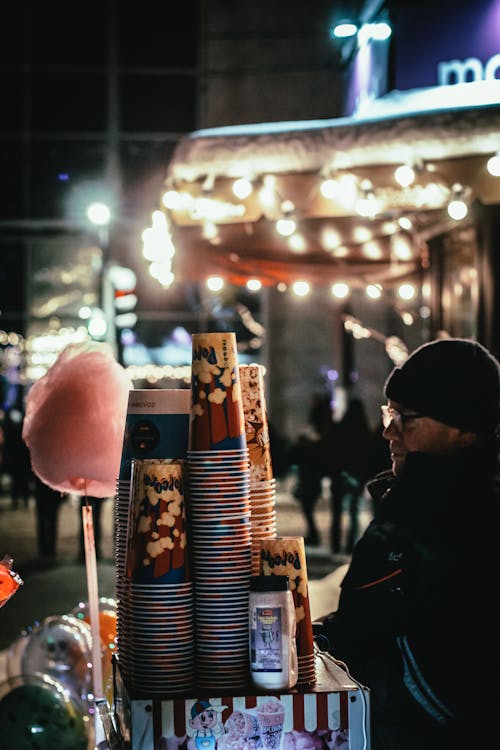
pixel 397 198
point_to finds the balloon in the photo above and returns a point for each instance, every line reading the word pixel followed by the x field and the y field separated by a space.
pixel 37 713
pixel 61 647
pixel 107 628
pixel 75 421
pixel 14 655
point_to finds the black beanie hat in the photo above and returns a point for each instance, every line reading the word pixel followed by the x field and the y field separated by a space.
pixel 455 381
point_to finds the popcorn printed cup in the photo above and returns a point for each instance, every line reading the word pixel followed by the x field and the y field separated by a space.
pixel 285 555
pixel 271 718
pixel 256 426
pixel 217 421
pixel 157 533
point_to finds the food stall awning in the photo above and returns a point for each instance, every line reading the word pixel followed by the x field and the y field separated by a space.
pixel 336 180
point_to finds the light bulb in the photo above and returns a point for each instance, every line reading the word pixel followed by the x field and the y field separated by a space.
pixel 405 175
pixel 340 290
pixel 301 288
pixel 242 188
pixel 457 209
pixel 374 291
pixel 329 188
pixel 99 214
pixel 493 165
pixel 285 227
pixel 406 291
pixel 215 283
pixel 253 285
pixel 344 30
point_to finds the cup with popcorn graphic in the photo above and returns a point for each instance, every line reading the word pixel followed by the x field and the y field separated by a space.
pixel 157 534
pixel 217 421
pixel 271 718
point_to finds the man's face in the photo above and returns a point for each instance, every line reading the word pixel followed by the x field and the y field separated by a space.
pixel 422 435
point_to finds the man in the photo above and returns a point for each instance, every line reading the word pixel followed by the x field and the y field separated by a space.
pixel 415 620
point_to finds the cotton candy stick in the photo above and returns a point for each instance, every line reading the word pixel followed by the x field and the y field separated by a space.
pixel 93 597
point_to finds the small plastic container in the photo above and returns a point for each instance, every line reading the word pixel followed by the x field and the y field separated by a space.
pixel 272 626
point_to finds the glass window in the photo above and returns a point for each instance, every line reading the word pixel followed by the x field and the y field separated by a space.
pixel 158 103
pixel 149 38
pixel 66 101
pixel 12 291
pixel 12 33
pixel 11 168
pixel 66 176
pixel 144 167
pixel 460 293
pixel 12 88
pixel 67 34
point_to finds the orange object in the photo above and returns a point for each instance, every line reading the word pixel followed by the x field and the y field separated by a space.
pixel 9 581
pixel 107 632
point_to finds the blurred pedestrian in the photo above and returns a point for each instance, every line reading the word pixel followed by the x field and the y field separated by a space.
pixel 47 502
pixel 415 617
pixel 2 446
pixel 308 454
pixel 280 451
pixel 349 444
pixel 17 461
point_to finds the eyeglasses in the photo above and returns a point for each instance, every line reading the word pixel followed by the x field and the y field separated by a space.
pixel 395 417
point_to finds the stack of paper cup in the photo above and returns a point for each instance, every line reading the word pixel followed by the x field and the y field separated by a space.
pixel 286 555
pixel 262 482
pixel 219 515
pixel 156 426
pixel 155 623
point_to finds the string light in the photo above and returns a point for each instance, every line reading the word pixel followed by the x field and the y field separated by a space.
pixel 406 291
pixel 329 188
pixel 242 188
pixel 297 242
pixel 330 238
pixel 158 248
pixel 457 207
pixel 215 283
pixel 405 223
pixel 374 291
pixel 405 175
pixel 401 247
pixel 344 30
pixel 286 226
pixel 493 165
pixel 301 288
pixel 340 290
pixel 254 285
pixel 350 193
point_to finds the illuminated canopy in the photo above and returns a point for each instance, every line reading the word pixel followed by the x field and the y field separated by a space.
pixel 446 134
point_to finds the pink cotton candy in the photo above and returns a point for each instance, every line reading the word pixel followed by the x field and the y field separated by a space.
pixel 75 421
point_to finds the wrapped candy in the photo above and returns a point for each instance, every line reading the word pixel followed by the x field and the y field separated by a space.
pixel 9 580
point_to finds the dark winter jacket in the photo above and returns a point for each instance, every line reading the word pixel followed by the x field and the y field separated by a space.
pixel 415 621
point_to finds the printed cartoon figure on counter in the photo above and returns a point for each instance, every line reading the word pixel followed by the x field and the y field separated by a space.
pixel 259 727
pixel 207 725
